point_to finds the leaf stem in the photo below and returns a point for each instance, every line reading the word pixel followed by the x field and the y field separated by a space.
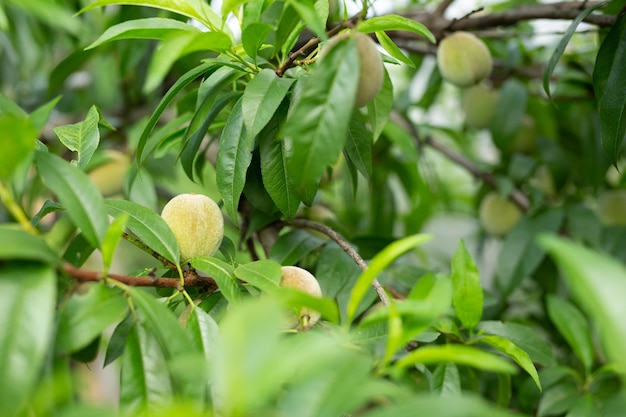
pixel 15 210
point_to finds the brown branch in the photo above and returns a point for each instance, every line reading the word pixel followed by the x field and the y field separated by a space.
pixel 442 7
pixel 516 196
pixel 343 244
pixel 191 279
pixel 308 47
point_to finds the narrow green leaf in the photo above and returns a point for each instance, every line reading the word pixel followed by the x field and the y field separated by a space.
pixel 149 28
pixel 307 11
pixel 573 327
pixel 358 145
pixel 233 159
pixel 459 354
pixel 296 300
pixel 17 142
pixel 275 170
pixel 40 116
pixel 117 342
pixel 203 332
pixel 394 22
pixel 560 48
pixel 17 244
pixel 223 274
pixel 264 274
pixel 379 109
pixel 608 79
pixel 556 400
pixel 598 284
pixel 79 196
pixel 514 352
pixel 27 301
pixel 525 337
pixel 178 86
pixel 112 238
pixel 82 137
pixel 509 113
pixel 87 314
pixel 174 343
pixel 467 297
pixel 145 384
pixel 229 6
pixel 378 264
pixel 261 99
pixel 318 119
pixel 148 226
pixel 446 380
pixel 392 49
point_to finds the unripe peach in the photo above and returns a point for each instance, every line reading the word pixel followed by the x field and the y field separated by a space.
pixel 497 214
pixel 371 70
pixel 479 105
pixel 612 207
pixel 109 176
pixel 302 280
pixel 197 223
pixel 463 59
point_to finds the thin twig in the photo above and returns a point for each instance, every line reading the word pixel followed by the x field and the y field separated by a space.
pixel 191 279
pixel 343 244
pixel 516 196
pixel 442 7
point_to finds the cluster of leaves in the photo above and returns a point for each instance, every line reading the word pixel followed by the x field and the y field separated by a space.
pixel 288 135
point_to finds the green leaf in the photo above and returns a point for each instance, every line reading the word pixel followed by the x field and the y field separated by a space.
pixel 233 159
pixel 573 327
pixel 264 274
pixel 560 48
pixel 378 264
pixel 174 343
pixel 467 297
pixel 145 384
pixel 392 49
pixel 178 86
pixel 509 112
pixel 379 109
pixel 608 79
pixel 275 170
pixel 307 11
pixel 598 284
pixel 87 314
pixel 446 380
pixel 557 399
pixel 39 117
pixel 112 238
pixel 17 142
pixel 82 137
pixel 149 227
pixel 203 332
pixel 27 301
pixel 149 28
pixel 394 22
pixel 178 45
pixel 319 116
pixel 293 246
pixel 261 99
pixel 79 196
pixel 18 244
pixel 253 36
pixel 459 354
pixel 223 274
pixel 524 337
pixel 117 342
pixel 514 352
pixel 296 300
pixel 358 145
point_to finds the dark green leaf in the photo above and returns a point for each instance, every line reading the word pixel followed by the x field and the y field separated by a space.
pixel 319 116
pixel 391 48
pixel 223 274
pixel 233 159
pixel 118 339
pixel 27 300
pixel 379 109
pixel 264 274
pixel 509 112
pixel 608 79
pixel 514 352
pixel 253 36
pixel 293 246
pixel 359 145
pixel 79 196
pixel 557 399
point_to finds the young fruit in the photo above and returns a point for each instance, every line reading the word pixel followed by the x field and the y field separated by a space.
pixel 479 105
pixel 197 223
pixel 302 280
pixel 109 177
pixel 525 140
pixel 497 214
pixel 371 70
pixel 612 207
pixel 463 59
